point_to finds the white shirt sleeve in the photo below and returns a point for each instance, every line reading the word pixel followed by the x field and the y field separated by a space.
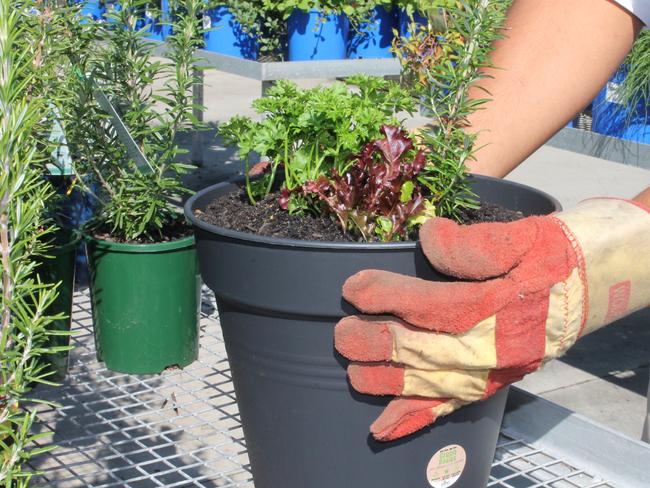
pixel 640 8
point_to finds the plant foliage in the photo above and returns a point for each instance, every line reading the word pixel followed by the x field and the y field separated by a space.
pixel 379 196
pixel 136 205
pixel 339 152
pixel 307 133
pixel 32 37
pixel 634 91
pixel 440 63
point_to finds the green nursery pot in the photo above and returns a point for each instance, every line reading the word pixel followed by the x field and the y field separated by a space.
pixel 145 300
pixel 60 268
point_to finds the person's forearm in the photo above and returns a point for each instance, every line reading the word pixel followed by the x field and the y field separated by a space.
pixel 643 197
pixel 555 58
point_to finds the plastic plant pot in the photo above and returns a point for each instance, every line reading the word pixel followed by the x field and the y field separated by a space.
pixel 637 133
pixel 158 23
pixel 304 426
pixel 227 36
pixel 405 22
pixel 145 300
pixel 112 8
pixel 612 118
pixel 60 268
pixel 316 36
pixel 373 39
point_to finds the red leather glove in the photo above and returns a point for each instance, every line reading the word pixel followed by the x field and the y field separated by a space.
pixel 533 288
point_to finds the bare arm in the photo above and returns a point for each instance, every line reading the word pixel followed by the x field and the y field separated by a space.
pixel 555 58
pixel 644 197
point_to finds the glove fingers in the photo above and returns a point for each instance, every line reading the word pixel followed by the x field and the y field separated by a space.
pixel 443 307
pixel 478 251
pixel 364 338
pixel 376 339
pixel 406 415
pixel 393 379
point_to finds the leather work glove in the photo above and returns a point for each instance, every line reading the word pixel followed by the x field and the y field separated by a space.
pixel 533 287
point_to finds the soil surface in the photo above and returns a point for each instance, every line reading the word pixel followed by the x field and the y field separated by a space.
pixel 172 232
pixel 268 219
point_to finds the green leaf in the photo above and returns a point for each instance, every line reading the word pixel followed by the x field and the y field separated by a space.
pixel 407 191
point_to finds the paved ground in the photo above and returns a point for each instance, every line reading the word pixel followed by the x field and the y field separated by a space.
pixel 605 376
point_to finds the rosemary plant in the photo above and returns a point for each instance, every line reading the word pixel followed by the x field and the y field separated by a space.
pixel 441 62
pixel 137 205
pixel 24 81
pixel 634 92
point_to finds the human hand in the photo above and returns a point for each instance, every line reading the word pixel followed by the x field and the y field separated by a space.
pixel 531 289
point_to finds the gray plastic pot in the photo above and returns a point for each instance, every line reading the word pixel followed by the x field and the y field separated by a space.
pixel 304 426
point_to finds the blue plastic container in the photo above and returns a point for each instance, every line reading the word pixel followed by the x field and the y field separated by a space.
pixel 612 118
pixel 373 39
pixel 77 208
pixel 111 7
pixel 158 23
pixel 404 21
pixel 92 9
pixel 226 35
pixel 314 36
pixel 637 132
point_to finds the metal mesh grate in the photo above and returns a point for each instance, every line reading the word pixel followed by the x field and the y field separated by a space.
pixel 182 428
pixel 519 465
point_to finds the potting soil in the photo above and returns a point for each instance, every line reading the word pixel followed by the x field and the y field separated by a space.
pixel 266 218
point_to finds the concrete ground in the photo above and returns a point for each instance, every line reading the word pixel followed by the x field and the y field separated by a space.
pixel 605 376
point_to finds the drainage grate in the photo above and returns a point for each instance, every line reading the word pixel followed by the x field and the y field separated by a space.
pixel 182 428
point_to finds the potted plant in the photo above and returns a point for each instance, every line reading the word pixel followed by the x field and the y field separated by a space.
pixel 373 37
pixel 316 29
pixel 279 297
pixel 143 276
pixel 232 28
pixel 25 301
pixel 622 107
pixel 156 17
pixel 59 35
pixel 414 14
pixel 92 9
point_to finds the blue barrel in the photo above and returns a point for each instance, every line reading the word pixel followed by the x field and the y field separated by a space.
pixel 404 21
pixel 373 39
pixel 612 118
pixel 92 9
pixel 225 35
pixel 316 36
pixel 111 8
pixel 158 22
pixel 637 132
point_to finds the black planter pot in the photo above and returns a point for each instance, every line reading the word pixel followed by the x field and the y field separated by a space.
pixel 278 302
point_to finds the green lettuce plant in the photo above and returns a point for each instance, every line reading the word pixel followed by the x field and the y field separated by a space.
pixel 306 133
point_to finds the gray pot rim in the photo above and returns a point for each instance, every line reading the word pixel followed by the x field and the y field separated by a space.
pixel 293 243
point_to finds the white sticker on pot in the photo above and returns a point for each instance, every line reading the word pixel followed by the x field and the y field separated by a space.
pixel 613 93
pixel 446 466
